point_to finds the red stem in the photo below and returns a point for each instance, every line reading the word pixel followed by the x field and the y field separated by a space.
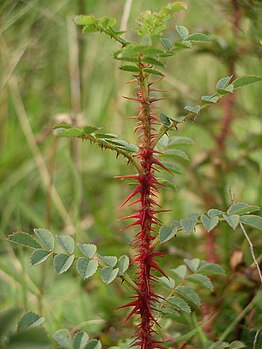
pixel 143 305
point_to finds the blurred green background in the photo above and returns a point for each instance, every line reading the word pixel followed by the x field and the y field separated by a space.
pixel 51 73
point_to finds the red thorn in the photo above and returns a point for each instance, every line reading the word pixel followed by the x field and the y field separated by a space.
pixel 157 162
pixel 155 266
pixel 131 99
pixel 128 176
pixel 134 192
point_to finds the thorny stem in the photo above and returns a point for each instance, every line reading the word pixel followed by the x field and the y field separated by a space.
pixel 252 251
pixel 147 189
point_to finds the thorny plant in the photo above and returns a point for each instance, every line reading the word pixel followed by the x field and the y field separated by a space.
pixel 144 59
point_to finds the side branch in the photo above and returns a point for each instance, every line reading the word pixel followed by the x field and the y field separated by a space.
pixel 106 145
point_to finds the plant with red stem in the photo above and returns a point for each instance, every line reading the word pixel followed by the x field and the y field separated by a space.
pixel 144 59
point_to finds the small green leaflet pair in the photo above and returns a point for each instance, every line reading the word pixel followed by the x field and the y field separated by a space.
pixel 47 245
pixel 237 213
pixel 63 337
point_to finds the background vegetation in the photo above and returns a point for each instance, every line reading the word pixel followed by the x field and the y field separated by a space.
pixel 50 73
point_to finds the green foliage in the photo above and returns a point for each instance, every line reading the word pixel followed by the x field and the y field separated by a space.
pixel 183 296
pixel 30 320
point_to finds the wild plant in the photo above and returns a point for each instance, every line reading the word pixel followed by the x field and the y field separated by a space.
pixel 154 294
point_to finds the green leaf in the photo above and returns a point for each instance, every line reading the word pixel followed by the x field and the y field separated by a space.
pixel 188 225
pixel 88 250
pixel 180 304
pixel 232 220
pixel 196 109
pixel 30 320
pixel 209 223
pixel 166 233
pixel 164 140
pixel 241 208
pixel 170 283
pixel 89 129
pixel 180 271
pixel 223 83
pixel 198 37
pixel 84 20
pixel 166 43
pixel 109 260
pixel 226 90
pixel 180 140
pixel 46 238
pixel 106 135
pixel 210 268
pixel 176 153
pixel 24 239
pixel 94 344
pixel 133 148
pixel 107 22
pixel 71 132
pixel 237 345
pixel 152 61
pixel 63 338
pixel 39 256
pixel 165 120
pixel 80 340
pixel 166 183
pixel 66 242
pixel 201 280
pixel 193 264
pixel 108 274
pixel 210 99
pixel 153 72
pixel 190 294
pixel 123 264
pixel 86 268
pixel 170 311
pixel 62 262
pixel 62 126
pixel 122 143
pixel 246 80
pixel 213 212
pixel 252 221
pixel 182 32
pixel 131 68
pixel 183 44
pixel 175 224
pixel 172 167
